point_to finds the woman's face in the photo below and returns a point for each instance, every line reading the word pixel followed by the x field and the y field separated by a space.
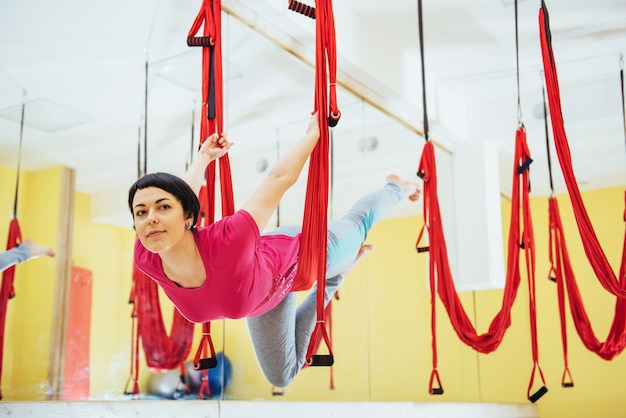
pixel 159 219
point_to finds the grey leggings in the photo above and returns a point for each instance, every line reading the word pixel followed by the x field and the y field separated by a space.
pixel 14 256
pixel 281 336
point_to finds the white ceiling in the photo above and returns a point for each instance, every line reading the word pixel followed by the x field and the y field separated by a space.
pixel 82 67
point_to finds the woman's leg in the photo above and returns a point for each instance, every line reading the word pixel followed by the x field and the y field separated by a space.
pixel 281 336
pixel 14 256
pixel 275 340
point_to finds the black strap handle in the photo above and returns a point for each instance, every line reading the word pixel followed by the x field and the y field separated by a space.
pixel 200 41
pixel 320 360
pixel 205 363
pixel 535 396
pixel 303 9
pixel 333 119
pixel 525 165
pixel 436 391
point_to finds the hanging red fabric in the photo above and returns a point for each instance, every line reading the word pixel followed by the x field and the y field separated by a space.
pixel 440 271
pixel 212 114
pixel 440 276
pixel 312 257
pixel 597 259
pixel 211 121
pixel 162 352
pixel 566 282
pixel 328 315
pixel 205 349
pixel 7 290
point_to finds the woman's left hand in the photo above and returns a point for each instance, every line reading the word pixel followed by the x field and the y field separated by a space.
pixel 215 146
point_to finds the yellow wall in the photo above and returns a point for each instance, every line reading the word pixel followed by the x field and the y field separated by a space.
pixel 108 252
pixel 381 322
pixel 29 314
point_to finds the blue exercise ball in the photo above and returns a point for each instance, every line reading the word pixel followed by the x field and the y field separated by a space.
pixel 223 371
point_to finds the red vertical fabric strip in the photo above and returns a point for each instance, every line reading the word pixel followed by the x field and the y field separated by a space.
pixel 312 258
pixel 7 291
pixel 212 121
pixel 593 250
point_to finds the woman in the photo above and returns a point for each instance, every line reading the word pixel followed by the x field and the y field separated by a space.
pixel 228 270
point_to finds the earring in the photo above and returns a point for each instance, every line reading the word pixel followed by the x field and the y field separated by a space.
pixel 189 226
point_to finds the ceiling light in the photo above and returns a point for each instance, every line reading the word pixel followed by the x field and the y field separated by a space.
pixel 368 143
pixel 539 112
pixel 261 165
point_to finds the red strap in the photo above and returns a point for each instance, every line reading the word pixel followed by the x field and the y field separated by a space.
pixel 434 377
pixel 312 258
pixel 204 347
pixel 316 343
pixel 555 249
pixel 534 396
pixel 595 255
pixel 134 356
pixel 212 91
pixel 211 121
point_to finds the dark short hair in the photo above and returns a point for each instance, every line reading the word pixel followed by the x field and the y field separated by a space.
pixel 171 184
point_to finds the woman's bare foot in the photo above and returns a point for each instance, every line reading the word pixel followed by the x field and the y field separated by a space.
pixel 411 189
pixel 38 250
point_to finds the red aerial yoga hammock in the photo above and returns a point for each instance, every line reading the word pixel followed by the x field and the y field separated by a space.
pixel 312 257
pixel 441 280
pixel 211 121
pixel 599 263
pixel 521 237
pixel 7 291
pixel 561 270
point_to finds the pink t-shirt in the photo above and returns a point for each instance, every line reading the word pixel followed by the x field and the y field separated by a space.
pixel 246 274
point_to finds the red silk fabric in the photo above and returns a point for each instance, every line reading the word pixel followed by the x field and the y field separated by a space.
pixel 593 250
pixel 312 258
pixel 7 291
pixel 440 276
pixel 561 266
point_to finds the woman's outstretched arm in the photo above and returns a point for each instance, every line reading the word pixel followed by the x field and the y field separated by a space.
pixel 282 176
